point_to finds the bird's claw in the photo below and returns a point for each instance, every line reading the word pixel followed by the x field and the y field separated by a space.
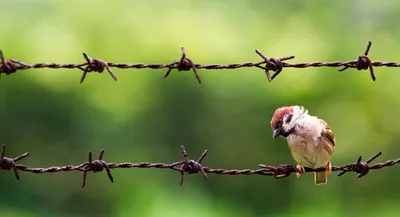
pixel 328 170
pixel 301 169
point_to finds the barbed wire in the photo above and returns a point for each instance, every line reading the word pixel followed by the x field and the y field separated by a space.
pixel 187 165
pixel 185 64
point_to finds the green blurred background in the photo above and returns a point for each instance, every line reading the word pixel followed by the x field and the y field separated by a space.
pixel 145 118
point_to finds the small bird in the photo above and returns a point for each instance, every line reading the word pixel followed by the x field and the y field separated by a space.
pixel 310 139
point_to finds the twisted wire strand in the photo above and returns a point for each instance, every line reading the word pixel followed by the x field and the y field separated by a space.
pixel 274 65
pixel 187 166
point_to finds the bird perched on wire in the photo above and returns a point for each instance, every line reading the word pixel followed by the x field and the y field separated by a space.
pixel 310 139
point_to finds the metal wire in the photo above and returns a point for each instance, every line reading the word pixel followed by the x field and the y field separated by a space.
pixel 185 64
pixel 188 166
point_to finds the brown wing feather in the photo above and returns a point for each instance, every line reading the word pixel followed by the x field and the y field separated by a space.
pixel 328 137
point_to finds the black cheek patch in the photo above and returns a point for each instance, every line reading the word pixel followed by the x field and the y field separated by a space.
pixel 289 118
pixel 286 134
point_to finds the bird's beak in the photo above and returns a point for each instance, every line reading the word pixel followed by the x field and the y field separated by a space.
pixel 276 132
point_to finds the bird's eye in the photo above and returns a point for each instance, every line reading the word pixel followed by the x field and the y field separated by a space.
pixel 289 118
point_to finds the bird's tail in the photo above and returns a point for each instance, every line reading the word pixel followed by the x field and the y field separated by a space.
pixel 320 178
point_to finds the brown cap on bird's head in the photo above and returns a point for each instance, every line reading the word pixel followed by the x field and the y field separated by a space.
pixel 279 113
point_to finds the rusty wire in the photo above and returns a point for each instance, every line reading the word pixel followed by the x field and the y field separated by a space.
pixel 185 64
pixel 188 166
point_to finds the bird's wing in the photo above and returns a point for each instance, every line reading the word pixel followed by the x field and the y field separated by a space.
pixel 327 137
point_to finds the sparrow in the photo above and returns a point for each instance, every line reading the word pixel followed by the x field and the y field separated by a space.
pixel 310 139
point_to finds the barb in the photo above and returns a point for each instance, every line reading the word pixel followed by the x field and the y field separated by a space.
pixel 364 62
pixel 96 166
pixel 10 66
pixel 361 168
pixel 272 64
pixel 185 64
pixel 10 163
pixel 191 166
pixel 95 65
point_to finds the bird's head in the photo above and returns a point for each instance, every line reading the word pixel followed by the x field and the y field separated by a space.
pixel 285 119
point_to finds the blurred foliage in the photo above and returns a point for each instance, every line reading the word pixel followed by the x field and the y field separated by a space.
pixel 145 118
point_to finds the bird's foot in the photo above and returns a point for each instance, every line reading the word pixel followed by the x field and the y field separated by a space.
pixel 301 169
pixel 328 170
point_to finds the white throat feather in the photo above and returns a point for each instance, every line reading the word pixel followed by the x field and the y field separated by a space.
pixel 299 112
